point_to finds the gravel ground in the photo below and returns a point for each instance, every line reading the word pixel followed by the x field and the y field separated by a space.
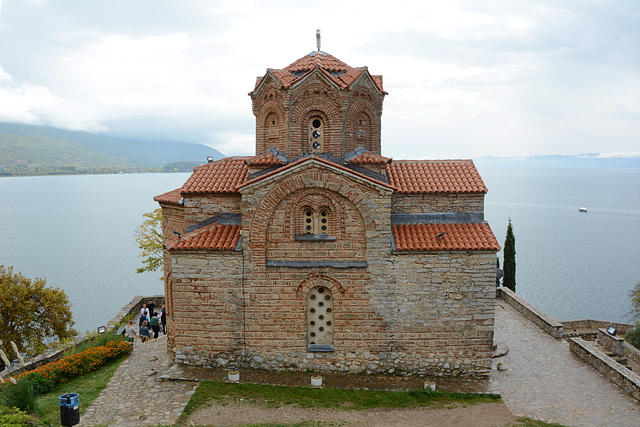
pixel 240 413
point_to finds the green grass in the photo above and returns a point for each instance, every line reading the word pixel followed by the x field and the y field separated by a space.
pixel 307 397
pixel 88 386
pixel 528 422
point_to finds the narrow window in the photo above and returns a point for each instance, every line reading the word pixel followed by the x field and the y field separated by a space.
pixel 324 221
pixel 308 221
pixel 316 135
pixel 315 222
pixel 320 316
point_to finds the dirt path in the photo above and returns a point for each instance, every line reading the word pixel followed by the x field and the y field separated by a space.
pixel 240 413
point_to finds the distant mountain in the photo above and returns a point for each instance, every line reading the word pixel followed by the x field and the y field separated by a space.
pixel 32 150
pixel 590 160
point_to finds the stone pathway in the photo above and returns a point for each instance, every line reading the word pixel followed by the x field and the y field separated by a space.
pixel 135 395
pixel 545 381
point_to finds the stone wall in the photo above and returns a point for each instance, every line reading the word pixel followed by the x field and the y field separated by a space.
pixel 632 353
pixel 615 372
pixel 428 313
pixel 437 203
pixel 549 324
pixel 592 324
pixel 612 343
pixel 200 207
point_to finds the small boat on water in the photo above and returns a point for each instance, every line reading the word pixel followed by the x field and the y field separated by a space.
pixel 582 209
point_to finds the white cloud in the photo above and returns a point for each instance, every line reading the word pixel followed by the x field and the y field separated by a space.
pixel 465 78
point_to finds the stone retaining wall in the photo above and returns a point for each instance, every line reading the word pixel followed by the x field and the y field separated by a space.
pixel 612 343
pixel 549 324
pixel 632 353
pixel 54 355
pixel 593 324
pixel 615 372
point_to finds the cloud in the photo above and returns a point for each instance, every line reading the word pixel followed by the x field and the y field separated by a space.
pixel 465 78
pixel 610 155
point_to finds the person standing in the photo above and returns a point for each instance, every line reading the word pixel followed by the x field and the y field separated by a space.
pixel 163 319
pixel 155 325
pixel 144 311
pixel 144 332
pixel 151 306
pixel 131 332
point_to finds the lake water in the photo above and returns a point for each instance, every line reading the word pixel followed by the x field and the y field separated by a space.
pixel 78 232
pixel 572 265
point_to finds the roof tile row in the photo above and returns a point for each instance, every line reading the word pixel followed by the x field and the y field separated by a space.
pixel 212 237
pixel 405 176
pixel 444 237
pixel 221 176
pixel 435 176
pixel 173 197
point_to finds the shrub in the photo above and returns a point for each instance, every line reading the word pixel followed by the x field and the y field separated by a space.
pixel 95 341
pixel 16 417
pixel 20 395
pixel 45 378
pixel 633 336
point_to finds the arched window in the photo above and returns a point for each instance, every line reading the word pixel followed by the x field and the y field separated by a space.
pixel 316 135
pixel 272 128
pixel 320 316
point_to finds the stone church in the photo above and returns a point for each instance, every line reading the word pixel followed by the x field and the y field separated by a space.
pixel 319 253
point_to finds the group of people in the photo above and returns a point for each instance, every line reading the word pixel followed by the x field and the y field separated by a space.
pixel 148 318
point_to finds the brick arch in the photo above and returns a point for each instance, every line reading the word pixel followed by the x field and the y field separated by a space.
pixel 319 279
pixel 353 140
pixel 294 218
pixel 271 109
pixel 330 114
pixel 271 200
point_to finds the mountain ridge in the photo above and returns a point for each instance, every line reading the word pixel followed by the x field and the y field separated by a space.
pixel 29 149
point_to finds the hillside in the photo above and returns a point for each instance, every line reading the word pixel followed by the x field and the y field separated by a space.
pixel 556 161
pixel 35 150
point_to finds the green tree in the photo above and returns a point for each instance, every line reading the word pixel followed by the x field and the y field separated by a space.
pixel 635 301
pixel 149 240
pixel 32 314
pixel 509 279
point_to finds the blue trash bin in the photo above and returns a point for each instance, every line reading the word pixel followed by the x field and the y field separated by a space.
pixel 69 409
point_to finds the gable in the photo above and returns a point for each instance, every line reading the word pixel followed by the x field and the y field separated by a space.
pixel 316 162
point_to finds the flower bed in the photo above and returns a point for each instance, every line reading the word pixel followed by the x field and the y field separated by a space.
pixel 48 376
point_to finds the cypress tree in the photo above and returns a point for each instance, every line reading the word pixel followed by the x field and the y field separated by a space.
pixel 509 268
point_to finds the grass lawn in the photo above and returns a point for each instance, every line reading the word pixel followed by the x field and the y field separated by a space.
pixel 88 387
pixel 307 397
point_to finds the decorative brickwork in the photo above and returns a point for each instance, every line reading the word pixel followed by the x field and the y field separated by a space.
pixel 334 260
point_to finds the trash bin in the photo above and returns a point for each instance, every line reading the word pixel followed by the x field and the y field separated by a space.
pixel 69 409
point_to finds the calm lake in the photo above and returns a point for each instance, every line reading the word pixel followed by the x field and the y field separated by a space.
pixel 78 233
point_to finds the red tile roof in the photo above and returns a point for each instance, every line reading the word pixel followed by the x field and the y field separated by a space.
pixel 435 176
pixel 340 73
pixel 265 159
pixel 222 176
pixel 457 237
pixel 368 158
pixel 215 237
pixel 320 59
pixel 172 197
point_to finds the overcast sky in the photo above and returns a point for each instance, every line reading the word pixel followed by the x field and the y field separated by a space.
pixel 465 78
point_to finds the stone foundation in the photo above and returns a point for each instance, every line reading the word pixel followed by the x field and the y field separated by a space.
pixel 400 363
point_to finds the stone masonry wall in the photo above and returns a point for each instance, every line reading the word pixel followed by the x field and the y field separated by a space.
pixel 207 296
pixel 422 323
pixel 437 203
pixel 198 208
pixel 424 313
